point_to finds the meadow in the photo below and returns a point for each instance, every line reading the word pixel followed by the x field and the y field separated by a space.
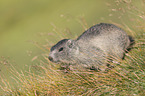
pixel 44 78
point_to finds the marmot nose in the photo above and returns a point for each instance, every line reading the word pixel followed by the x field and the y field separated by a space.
pixel 50 58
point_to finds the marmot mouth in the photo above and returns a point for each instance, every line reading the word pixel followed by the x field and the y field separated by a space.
pixel 53 60
pixel 56 62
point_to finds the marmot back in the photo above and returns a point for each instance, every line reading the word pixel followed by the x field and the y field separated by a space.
pixel 93 48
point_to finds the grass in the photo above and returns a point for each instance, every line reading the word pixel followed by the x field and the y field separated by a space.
pixel 126 79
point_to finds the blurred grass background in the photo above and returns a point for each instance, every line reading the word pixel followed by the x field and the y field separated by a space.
pixel 23 21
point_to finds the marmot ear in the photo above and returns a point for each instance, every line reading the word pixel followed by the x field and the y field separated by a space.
pixel 70 43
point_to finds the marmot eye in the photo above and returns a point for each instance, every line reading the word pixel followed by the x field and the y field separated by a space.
pixel 61 49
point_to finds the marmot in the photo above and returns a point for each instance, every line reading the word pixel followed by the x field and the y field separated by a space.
pixel 93 48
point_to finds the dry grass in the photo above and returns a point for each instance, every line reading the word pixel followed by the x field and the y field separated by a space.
pixel 124 79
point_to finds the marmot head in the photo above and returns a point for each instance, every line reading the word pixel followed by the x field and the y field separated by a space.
pixel 63 51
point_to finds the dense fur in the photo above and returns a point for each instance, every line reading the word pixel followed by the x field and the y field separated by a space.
pixel 93 48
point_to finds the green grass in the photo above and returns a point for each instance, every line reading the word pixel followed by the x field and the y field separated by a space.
pixel 126 79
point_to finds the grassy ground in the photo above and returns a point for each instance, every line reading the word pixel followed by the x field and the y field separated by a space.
pixel 126 79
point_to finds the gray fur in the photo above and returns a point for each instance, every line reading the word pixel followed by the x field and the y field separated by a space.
pixel 93 48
